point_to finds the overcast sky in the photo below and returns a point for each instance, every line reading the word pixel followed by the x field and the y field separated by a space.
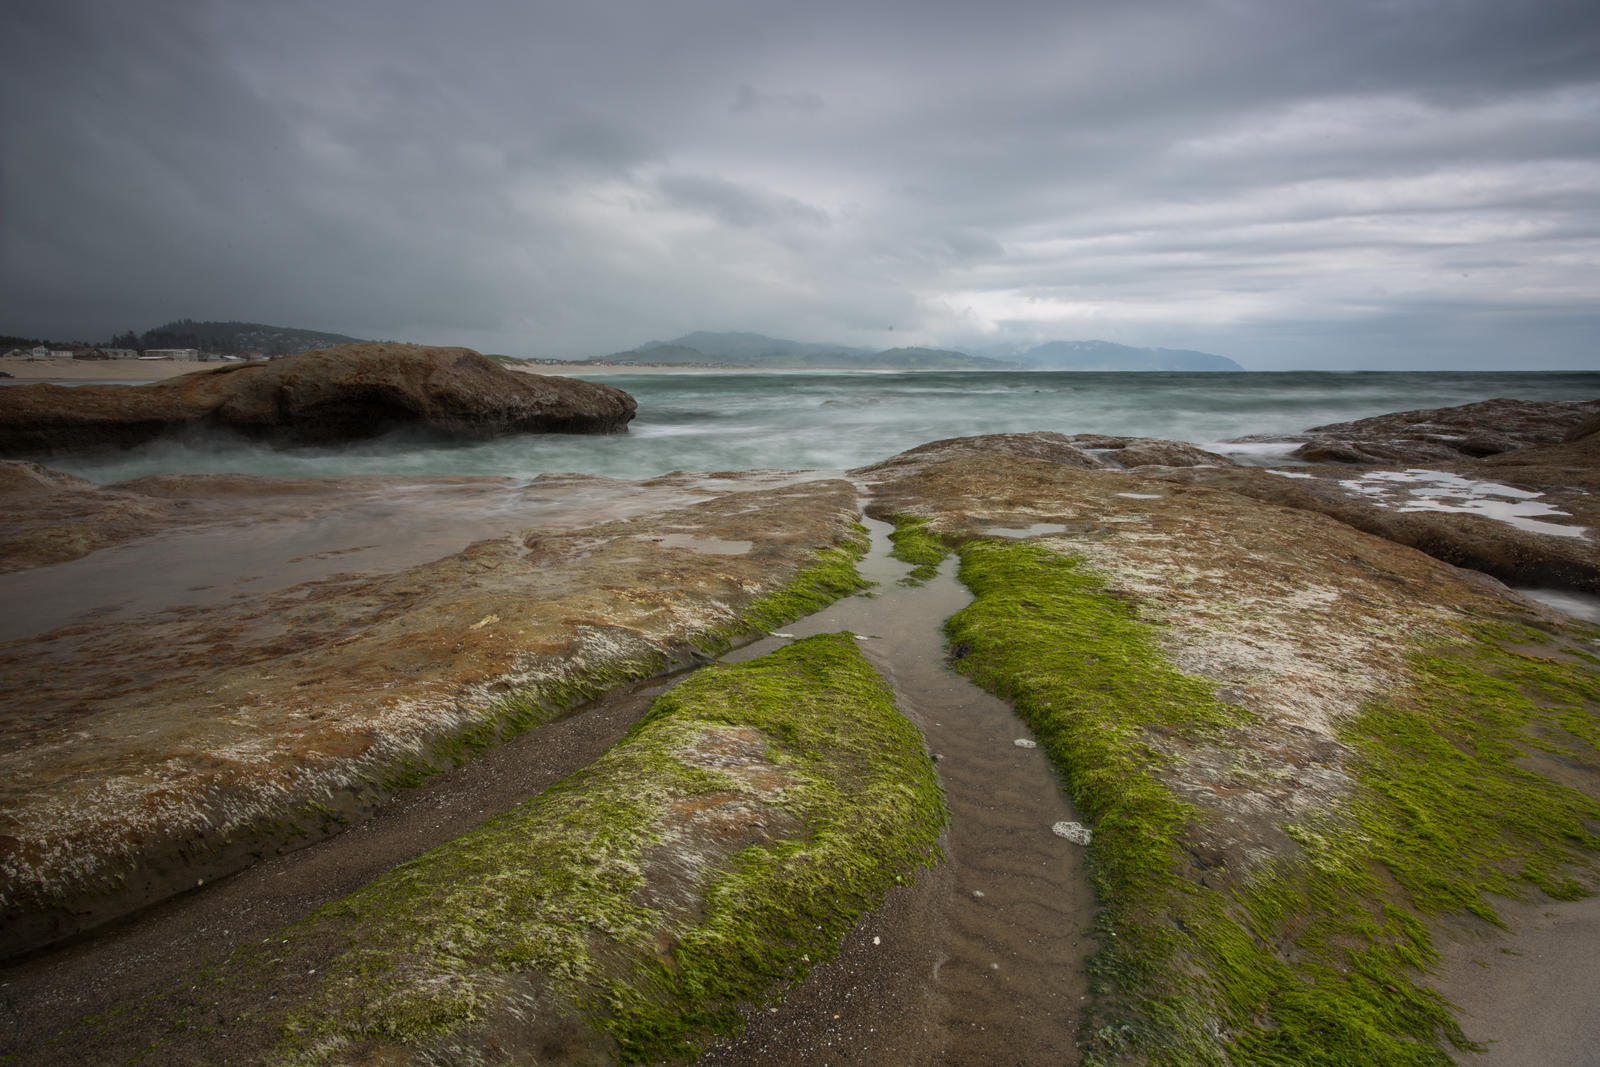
pixel 1411 183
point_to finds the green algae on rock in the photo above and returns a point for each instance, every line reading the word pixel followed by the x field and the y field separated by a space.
pixel 913 544
pixel 149 752
pixel 1299 748
pixel 1313 957
pixel 623 915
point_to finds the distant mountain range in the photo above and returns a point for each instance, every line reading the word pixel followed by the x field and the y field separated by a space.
pixel 705 348
pixel 757 350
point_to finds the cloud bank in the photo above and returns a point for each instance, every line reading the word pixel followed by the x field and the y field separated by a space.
pixel 1407 183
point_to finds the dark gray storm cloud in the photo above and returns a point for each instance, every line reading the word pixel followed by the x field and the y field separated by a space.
pixel 1397 183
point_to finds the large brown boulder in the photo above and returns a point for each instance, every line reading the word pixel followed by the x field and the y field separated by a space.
pixel 332 394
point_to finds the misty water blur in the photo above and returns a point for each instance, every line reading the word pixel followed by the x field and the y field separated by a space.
pixel 833 421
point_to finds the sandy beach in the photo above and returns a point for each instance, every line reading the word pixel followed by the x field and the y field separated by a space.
pixel 98 370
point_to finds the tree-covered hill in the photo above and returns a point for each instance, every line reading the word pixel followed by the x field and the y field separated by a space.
pixel 232 337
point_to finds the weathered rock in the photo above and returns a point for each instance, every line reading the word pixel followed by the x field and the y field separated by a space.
pixel 1586 428
pixel 269 680
pixel 1292 745
pixel 1517 556
pixel 1573 464
pixel 50 517
pixel 334 394
pixel 20 479
pixel 1481 471
pixel 1130 452
pixel 1281 605
pixel 770 803
pixel 1297 745
pixel 1044 445
pixel 1085 450
pixel 1434 435
pixel 47 516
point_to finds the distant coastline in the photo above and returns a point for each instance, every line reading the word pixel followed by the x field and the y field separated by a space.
pixel 59 369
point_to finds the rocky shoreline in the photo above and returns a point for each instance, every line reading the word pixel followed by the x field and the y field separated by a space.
pixel 330 395
pixel 1307 724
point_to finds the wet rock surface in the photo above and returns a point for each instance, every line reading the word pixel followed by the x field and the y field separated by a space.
pixel 49 517
pixel 1435 435
pixel 1283 607
pixel 179 737
pixel 1506 487
pixel 1085 450
pixel 606 919
pixel 329 395
pixel 1553 551
pixel 1295 770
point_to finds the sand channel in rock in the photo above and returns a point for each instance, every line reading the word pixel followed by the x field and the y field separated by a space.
pixel 983 961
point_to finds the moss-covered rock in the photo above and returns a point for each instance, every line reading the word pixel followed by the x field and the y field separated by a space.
pixel 147 750
pixel 624 915
pixel 1297 746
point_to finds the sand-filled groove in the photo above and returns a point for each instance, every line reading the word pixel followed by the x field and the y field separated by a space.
pixel 979 962
pixel 983 961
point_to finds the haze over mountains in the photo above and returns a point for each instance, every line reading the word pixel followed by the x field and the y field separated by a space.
pixel 757 350
pixel 712 349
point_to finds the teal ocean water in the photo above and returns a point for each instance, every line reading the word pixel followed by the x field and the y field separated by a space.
pixel 832 421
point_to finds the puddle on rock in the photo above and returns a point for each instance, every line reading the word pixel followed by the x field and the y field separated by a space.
pixel 1426 490
pixel 1001 948
pixel 1585 606
pixel 1038 529
pixel 277 548
pixel 277 544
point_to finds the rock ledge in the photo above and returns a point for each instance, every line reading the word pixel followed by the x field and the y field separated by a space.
pixel 329 395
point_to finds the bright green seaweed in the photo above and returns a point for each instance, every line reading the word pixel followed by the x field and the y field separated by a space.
pixel 563 887
pixel 1313 959
pixel 831 576
pixel 913 543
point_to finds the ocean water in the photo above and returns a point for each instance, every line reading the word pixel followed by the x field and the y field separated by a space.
pixel 833 421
